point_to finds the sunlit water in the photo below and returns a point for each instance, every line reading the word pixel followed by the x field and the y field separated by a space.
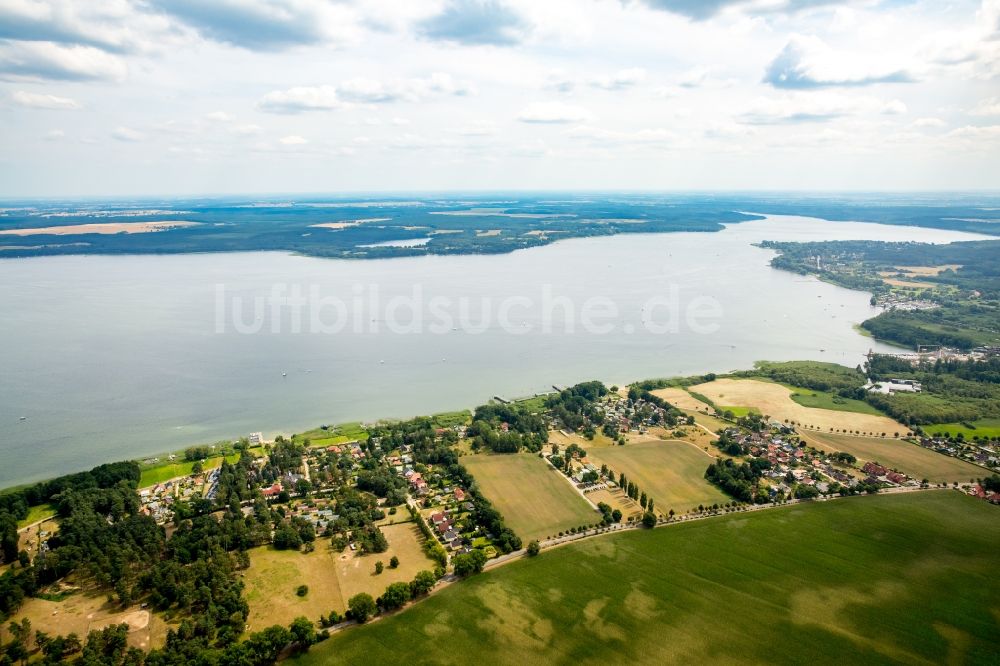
pixel 112 357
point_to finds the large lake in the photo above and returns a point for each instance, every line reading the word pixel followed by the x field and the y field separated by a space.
pixel 113 357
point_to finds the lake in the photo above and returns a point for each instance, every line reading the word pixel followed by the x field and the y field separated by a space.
pixel 114 357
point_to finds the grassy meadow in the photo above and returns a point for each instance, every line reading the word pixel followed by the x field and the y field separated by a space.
pixel 536 500
pixel 905 578
pixel 983 428
pixel 37 513
pixel 826 400
pixel 332 577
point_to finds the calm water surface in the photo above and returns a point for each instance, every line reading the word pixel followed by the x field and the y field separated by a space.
pixel 111 357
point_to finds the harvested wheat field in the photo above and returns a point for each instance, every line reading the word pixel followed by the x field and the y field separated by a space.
pixel 775 401
pixel 911 459
pixel 681 399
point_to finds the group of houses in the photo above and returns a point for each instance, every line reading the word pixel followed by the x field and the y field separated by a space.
pixel 157 501
pixel 983 452
pixel 879 474
pixel 446 531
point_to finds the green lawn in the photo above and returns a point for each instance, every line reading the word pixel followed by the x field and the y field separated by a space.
pixel 338 434
pixel 737 411
pixel 171 470
pixel 867 580
pixel 36 513
pixel 984 428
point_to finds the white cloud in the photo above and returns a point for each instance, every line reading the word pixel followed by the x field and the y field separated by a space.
pixel 814 107
pixel 246 129
pixel 296 100
pixel 929 122
pixel 807 62
pixel 264 25
pixel 482 128
pixel 55 135
pixel 624 78
pixel 361 90
pixel 293 140
pixel 219 117
pixel 43 101
pixel 553 113
pixel 127 134
pixel 648 136
pixel 987 107
pixel 35 61
pixel 704 77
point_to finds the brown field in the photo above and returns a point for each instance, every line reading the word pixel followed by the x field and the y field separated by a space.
pixel 101 228
pixel 332 577
pixel 896 282
pixel 617 499
pixel 775 401
pixel 488 233
pixel 357 572
pixel 84 611
pixel 671 472
pixel 911 459
pixel 536 500
pixel 681 399
pixel 927 270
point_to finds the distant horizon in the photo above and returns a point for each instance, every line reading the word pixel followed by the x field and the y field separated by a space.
pixel 426 193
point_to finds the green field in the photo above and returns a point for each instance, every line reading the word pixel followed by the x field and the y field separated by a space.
pixel 338 434
pixel 867 580
pixel 822 400
pixel 737 411
pixel 984 428
pixel 916 461
pixel 672 473
pixel 37 513
pixel 536 501
pixel 171 470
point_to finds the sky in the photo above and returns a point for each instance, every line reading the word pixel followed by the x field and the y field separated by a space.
pixel 182 97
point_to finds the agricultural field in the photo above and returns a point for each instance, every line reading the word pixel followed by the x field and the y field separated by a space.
pixel 775 400
pixel 823 400
pixel 681 399
pixel 671 472
pixel 80 611
pixel 786 582
pixel 916 461
pixel 984 428
pixel 536 500
pixel 332 577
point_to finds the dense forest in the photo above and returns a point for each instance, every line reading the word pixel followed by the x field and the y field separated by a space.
pixel 953 391
pixel 452 227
